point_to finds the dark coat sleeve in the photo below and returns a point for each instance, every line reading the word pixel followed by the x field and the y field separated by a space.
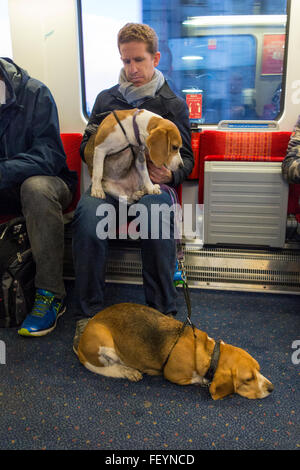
pixel 45 154
pixel 183 123
pixel 291 163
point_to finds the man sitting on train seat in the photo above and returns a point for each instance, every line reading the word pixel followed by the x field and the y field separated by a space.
pixel 36 182
pixel 141 85
pixel 291 163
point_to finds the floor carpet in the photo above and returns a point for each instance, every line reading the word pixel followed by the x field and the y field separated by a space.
pixel 48 400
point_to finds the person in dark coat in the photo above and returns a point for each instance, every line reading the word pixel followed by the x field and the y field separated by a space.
pixel 141 85
pixel 36 182
pixel 291 163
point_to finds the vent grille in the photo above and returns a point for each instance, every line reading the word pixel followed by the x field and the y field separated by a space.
pixel 221 268
pixel 209 274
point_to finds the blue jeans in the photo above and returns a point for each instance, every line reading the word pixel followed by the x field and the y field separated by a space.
pixel 90 254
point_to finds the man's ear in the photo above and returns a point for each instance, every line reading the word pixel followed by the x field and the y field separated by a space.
pixel 222 385
pixel 156 58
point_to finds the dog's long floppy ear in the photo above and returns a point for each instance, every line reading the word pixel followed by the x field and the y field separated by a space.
pixel 174 140
pixel 222 385
pixel 89 153
pixel 157 144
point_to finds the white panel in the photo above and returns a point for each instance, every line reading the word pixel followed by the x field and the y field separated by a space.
pixel 245 203
pixel 45 43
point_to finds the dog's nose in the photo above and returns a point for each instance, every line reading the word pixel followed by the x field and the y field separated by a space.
pixel 270 388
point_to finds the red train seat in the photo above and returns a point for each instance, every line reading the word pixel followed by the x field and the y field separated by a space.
pixel 71 143
pixel 195 142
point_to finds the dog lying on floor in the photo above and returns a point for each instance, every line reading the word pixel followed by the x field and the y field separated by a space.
pixel 127 339
pixel 116 158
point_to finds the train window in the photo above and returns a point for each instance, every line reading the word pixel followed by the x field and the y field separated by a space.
pixel 101 22
pixel 5 37
pixel 226 58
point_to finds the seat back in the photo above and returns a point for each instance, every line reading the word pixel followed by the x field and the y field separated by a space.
pixel 247 146
pixel 71 143
pixel 195 143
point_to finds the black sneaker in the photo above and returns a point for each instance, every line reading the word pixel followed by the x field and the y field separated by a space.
pixel 80 326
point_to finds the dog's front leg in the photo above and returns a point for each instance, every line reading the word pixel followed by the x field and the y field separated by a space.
pixel 141 166
pixel 98 163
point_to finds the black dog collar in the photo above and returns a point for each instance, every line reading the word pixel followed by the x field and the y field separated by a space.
pixel 209 376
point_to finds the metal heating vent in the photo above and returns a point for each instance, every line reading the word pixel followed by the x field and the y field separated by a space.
pixel 275 270
pixel 124 262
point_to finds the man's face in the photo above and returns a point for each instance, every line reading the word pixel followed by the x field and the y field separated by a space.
pixel 139 64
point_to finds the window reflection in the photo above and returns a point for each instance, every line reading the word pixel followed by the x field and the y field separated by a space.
pixel 228 53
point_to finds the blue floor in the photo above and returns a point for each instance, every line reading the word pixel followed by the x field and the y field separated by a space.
pixel 48 400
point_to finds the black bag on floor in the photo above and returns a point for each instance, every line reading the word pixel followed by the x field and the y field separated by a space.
pixel 17 271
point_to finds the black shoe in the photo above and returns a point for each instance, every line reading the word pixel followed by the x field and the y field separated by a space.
pixel 80 326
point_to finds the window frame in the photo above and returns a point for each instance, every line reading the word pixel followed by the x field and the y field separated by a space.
pixel 83 80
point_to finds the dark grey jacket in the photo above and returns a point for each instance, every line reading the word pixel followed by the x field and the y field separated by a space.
pixel 165 103
pixel 30 142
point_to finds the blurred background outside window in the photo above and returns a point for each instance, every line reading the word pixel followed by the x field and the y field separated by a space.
pixel 225 57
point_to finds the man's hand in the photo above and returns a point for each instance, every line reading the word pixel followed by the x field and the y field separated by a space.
pixel 159 175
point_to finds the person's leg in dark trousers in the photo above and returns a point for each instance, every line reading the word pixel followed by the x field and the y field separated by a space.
pixel 159 253
pixel 43 200
pixel 90 249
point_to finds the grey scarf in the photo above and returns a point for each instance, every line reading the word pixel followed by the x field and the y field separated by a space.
pixel 136 95
pixel 2 92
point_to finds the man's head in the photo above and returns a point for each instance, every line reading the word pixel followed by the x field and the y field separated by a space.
pixel 138 46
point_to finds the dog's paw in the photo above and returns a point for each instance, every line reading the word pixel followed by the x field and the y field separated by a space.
pixel 137 195
pixel 124 199
pixel 133 375
pixel 156 189
pixel 97 192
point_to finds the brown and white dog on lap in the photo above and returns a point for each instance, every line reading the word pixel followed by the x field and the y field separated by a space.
pixel 117 153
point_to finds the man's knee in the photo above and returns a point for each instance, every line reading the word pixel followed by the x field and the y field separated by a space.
pixel 49 193
pixel 35 189
pixel 160 216
pixel 85 218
